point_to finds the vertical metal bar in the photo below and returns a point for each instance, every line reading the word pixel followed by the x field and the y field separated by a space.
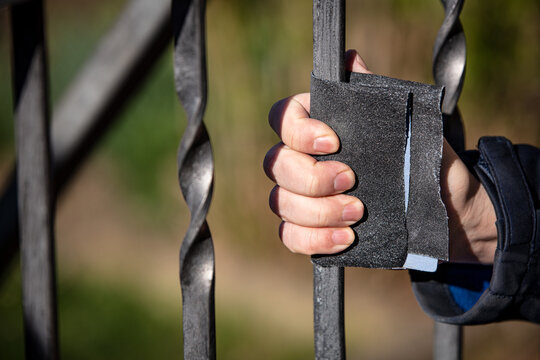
pixel 447 341
pixel 449 62
pixel 33 180
pixel 328 282
pixel 329 39
pixel 328 295
pixel 196 178
pixel 91 103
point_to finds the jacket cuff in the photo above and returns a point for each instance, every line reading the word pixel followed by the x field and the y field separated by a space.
pixel 476 294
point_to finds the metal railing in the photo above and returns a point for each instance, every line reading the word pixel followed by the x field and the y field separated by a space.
pixel 46 160
pixel 35 199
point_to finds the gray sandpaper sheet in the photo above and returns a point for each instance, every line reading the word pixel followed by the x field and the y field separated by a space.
pixel 371 114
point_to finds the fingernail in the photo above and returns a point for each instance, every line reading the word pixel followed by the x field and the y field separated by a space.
pixel 352 211
pixel 342 237
pixel 325 144
pixel 344 180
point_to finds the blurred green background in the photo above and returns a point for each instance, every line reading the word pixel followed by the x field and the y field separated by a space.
pixel 120 222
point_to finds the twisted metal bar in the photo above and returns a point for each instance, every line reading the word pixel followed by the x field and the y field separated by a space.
pixel 196 175
pixel 449 61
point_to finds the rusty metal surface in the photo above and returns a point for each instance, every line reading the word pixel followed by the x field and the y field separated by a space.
pixel 36 210
pixel 328 282
pixel 196 177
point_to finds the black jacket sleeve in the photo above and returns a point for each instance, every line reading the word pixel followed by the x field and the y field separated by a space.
pixel 510 289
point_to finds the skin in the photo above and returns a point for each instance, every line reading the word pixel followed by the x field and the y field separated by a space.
pixel 317 216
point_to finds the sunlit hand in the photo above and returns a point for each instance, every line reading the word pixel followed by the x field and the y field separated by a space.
pixel 309 195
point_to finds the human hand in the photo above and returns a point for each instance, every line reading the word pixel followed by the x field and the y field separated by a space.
pixel 317 215
pixel 308 195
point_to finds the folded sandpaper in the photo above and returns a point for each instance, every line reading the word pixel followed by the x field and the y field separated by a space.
pixel 391 136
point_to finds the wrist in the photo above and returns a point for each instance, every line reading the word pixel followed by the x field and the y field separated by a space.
pixel 471 216
pixel 480 227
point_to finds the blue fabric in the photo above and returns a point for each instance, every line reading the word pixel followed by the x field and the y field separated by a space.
pixel 466 298
pixel 467 282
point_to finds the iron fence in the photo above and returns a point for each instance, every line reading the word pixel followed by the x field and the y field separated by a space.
pixel 46 160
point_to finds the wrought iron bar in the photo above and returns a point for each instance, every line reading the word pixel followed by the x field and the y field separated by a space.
pixel 196 178
pixel 329 39
pixel 449 61
pixel 35 190
pixel 107 81
pixel 329 319
pixel 328 282
pixel 115 72
pixel 447 341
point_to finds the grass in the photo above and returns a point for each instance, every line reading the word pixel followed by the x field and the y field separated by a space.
pixel 97 321
pixel 101 320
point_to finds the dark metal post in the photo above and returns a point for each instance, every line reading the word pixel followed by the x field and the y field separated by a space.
pixel 328 282
pixel 447 341
pixel 329 39
pixel 92 102
pixel 449 61
pixel 33 180
pixel 196 178
pixel 329 319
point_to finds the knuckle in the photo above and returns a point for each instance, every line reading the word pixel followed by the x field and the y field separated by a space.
pixel 286 237
pixel 270 160
pixel 276 115
pixel 273 199
pixel 322 215
pixel 313 185
pixel 281 230
pixel 312 244
pixel 274 112
pixel 295 139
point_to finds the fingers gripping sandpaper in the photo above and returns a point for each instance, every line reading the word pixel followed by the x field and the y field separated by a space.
pixel 391 136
